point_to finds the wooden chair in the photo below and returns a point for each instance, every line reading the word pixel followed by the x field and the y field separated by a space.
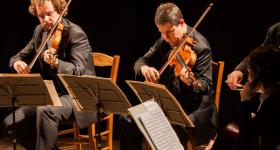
pixel 218 69
pixel 100 60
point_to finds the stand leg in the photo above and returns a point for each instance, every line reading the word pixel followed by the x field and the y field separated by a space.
pixel 14 125
pixel 98 132
pixel 98 140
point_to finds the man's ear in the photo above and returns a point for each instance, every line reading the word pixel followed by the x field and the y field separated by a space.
pixel 181 21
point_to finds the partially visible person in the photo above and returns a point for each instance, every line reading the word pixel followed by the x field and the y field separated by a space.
pixel 195 98
pixel 259 128
pixel 236 76
pixel 36 127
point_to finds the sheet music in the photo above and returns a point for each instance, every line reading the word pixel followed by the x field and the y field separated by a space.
pixel 157 127
pixel 53 94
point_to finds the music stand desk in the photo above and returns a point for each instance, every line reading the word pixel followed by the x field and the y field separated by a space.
pixel 26 90
pixel 169 104
pixel 89 91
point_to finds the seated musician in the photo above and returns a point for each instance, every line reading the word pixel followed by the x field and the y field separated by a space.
pixel 195 99
pixel 259 128
pixel 36 127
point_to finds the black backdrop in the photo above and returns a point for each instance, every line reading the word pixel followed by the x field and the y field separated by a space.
pixel 126 27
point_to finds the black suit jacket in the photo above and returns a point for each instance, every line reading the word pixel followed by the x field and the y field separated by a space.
pixel 74 56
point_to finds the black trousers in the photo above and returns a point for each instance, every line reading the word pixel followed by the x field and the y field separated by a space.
pixel 129 134
pixel 36 127
pixel 25 125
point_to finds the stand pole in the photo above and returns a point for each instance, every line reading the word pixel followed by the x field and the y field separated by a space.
pixel 14 120
pixel 98 132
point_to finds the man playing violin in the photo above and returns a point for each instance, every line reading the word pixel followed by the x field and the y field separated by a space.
pixel 36 127
pixel 196 100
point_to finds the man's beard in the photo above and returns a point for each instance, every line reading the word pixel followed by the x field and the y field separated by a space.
pixel 47 27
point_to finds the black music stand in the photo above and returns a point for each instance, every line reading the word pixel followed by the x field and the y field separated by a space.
pixel 97 94
pixel 146 91
pixel 25 90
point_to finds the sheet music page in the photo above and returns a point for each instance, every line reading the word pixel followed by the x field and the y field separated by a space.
pixel 136 112
pixel 159 128
pixel 53 94
pixel 154 125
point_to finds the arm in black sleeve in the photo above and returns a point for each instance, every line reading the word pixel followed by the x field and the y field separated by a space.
pixel 152 58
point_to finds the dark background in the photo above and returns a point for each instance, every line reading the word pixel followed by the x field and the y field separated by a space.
pixel 126 28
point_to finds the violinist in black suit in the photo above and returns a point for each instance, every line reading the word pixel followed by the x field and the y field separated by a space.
pixel 36 127
pixel 195 100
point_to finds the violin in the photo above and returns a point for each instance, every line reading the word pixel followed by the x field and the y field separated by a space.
pixel 56 38
pixel 183 57
pixel 186 57
pixel 55 41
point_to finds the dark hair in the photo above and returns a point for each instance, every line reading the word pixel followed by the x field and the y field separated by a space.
pixel 168 13
pixel 263 63
pixel 58 5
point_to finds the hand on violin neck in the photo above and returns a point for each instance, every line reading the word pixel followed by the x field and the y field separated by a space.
pixel 50 56
pixel 187 76
pixel 151 74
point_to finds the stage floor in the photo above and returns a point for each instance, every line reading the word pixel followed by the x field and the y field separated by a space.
pixel 7 144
